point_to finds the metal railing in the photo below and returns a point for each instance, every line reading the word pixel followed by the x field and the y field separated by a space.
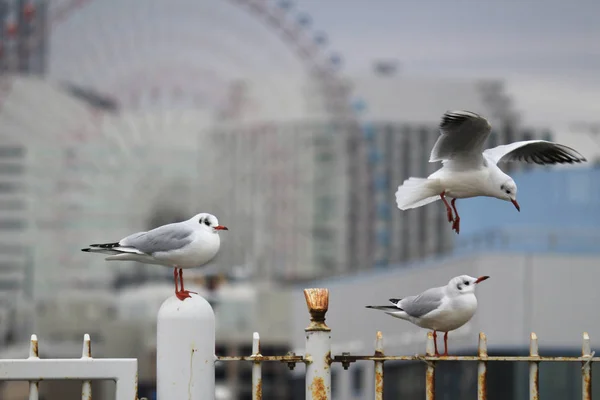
pixel 318 359
pixel 34 369
pixel 186 359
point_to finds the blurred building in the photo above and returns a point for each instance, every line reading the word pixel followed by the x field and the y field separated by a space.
pixel 309 194
pixel 14 253
pixel 543 277
pixel 562 202
pixel 317 196
pixel 23 36
pixel 44 186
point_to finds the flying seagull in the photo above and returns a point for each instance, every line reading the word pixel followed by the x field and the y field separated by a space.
pixel 470 171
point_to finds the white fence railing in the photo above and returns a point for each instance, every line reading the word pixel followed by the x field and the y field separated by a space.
pixel 34 369
pixel 186 359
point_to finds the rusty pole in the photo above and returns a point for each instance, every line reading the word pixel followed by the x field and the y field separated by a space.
pixel 482 368
pixel 34 386
pixel 318 346
pixel 430 374
pixel 534 373
pixel 256 369
pixel 586 369
pixel 379 367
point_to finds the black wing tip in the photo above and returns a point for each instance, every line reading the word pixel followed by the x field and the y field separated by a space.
pixel 87 250
pixel 554 153
pixel 454 115
pixel 458 116
pixel 105 245
pixel 393 308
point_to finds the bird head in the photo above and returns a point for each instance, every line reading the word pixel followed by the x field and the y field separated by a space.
pixel 464 284
pixel 209 222
pixel 507 190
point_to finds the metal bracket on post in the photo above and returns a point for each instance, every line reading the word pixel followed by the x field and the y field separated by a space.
pixel 185 350
pixel 318 346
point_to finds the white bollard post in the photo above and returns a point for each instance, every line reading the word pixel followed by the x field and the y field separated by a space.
pixel 318 346
pixel 185 350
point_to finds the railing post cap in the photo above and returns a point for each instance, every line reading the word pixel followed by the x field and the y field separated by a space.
pixel 317 301
pixel 195 307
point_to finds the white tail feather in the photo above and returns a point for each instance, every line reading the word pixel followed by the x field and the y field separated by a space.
pixel 417 192
pixel 143 258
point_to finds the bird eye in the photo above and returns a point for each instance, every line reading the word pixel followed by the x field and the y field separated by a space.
pixel 507 191
pixel 206 222
pixel 467 283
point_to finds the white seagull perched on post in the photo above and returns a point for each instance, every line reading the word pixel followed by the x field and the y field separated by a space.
pixel 470 171
pixel 180 245
pixel 442 309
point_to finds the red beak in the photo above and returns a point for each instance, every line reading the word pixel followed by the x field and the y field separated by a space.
pixel 481 279
pixel 516 205
pixel 221 228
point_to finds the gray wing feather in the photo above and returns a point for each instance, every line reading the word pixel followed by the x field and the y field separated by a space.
pixel 535 151
pixel 417 306
pixel 463 134
pixel 164 238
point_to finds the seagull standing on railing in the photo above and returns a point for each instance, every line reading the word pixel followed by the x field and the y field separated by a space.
pixel 442 309
pixel 180 245
pixel 469 171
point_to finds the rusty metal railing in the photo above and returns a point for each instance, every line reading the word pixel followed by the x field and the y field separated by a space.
pixel 318 359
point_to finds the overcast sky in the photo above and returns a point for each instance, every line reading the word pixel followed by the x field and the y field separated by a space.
pixel 547 51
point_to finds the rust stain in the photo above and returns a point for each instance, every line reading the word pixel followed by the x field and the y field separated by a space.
pixel 328 360
pixel 258 390
pixel 482 385
pixel 430 383
pixel 317 301
pixel 34 345
pixel 587 386
pixel 318 390
pixel 379 383
pixel 535 384
pixel 89 393
pixel 191 380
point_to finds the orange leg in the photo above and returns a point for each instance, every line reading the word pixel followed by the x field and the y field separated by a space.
pixel 448 209
pixel 437 354
pixel 182 294
pixel 446 343
pixel 175 278
pixel 456 223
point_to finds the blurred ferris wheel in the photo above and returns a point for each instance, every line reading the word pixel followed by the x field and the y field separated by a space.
pixel 186 53
pixel 174 68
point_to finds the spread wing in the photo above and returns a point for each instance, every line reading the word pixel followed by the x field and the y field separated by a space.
pixel 418 306
pixel 463 134
pixel 534 151
pixel 164 238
